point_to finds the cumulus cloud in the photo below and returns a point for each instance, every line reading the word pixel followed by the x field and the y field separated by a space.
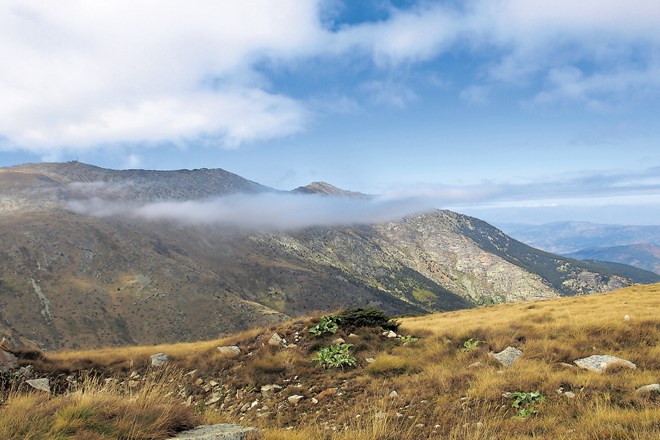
pixel 78 75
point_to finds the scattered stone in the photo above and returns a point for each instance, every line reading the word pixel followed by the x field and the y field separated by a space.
pixel 370 360
pixel 599 363
pixel 39 384
pixel 626 317
pixel 215 399
pixel 479 424
pixel 246 407
pixel 569 394
pixel 353 335
pixel 648 390
pixel 339 341
pixel 476 365
pixel 229 350
pixel 220 432
pixel 567 366
pixel 389 334
pixel 158 359
pixel 294 399
pixel 268 388
pixel 275 340
pixel 507 356
pixel 394 394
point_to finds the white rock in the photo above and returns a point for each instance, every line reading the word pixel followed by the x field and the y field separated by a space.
pixel 158 359
pixel 229 350
pixel 507 356
pixel 294 399
pixel 370 360
pixel 598 363
pixel 569 394
pixel 39 384
pixel 390 334
pixel 339 341
pixel 650 389
pixel 268 388
pixel 394 394
pixel 626 317
pixel 219 432
pixel 275 340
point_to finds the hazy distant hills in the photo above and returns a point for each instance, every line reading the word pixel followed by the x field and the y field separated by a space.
pixel 643 255
pixel 128 272
pixel 638 246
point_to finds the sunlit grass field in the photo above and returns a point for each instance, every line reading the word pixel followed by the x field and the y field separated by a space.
pixel 447 385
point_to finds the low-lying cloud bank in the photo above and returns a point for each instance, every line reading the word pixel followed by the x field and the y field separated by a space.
pixel 267 211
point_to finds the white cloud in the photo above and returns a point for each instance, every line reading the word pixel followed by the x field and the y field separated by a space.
pixel 78 75
pixel 81 74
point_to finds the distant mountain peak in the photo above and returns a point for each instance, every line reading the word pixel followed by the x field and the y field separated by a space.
pixel 324 188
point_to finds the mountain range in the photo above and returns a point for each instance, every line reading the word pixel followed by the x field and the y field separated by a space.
pixel 95 257
pixel 637 246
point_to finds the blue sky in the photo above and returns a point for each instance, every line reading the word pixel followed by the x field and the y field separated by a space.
pixel 510 110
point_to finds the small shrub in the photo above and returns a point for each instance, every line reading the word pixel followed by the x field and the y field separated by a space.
pixel 408 339
pixel 388 365
pixel 328 325
pixel 471 344
pixel 335 356
pixel 367 317
pixel 525 403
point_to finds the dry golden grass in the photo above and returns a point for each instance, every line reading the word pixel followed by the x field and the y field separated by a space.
pixel 443 390
pixel 97 411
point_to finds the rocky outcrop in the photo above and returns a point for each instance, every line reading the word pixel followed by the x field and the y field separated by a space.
pixel 220 432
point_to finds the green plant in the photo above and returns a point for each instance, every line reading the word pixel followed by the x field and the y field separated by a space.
pixel 409 339
pixel 335 356
pixel 525 402
pixel 328 325
pixel 367 317
pixel 471 344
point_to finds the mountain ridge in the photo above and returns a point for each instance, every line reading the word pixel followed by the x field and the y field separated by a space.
pixel 83 281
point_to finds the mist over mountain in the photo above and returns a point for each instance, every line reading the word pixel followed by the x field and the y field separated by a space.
pixel 95 257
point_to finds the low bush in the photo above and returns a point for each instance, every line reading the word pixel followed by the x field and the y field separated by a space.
pixel 367 317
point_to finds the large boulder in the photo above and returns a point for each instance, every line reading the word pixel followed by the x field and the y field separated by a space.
pixel 222 431
pixel 7 361
pixel 599 363
pixel 158 359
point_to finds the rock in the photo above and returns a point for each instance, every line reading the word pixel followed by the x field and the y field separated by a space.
pixel 390 334
pixel 7 361
pixel 339 341
pixel 294 399
pixel 268 388
pixel 39 384
pixel 507 356
pixel 599 363
pixel 229 350
pixel 569 394
pixel 220 432
pixel 370 360
pixel 567 366
pixel 353 336
pixel 394 394
pixel 648 390
pixel 275 340
pixel 476 365
pixel 315 400
pixel 626 317
pixel 158 359
pixel 215 399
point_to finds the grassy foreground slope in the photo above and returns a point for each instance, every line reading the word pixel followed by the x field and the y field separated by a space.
pixel 447 385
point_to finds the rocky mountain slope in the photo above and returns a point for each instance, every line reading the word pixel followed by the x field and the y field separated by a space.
pixel 73 280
